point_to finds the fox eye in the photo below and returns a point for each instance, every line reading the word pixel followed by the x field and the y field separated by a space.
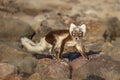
pixel 73 34
pixel 80 34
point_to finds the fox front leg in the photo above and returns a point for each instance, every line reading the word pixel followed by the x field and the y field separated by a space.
pixel 81 49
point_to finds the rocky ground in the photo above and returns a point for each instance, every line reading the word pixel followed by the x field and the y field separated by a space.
pixel 35 18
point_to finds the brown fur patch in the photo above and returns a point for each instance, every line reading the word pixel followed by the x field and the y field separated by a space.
pixel 52 36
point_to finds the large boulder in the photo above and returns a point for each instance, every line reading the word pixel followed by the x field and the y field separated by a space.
pixel 52 70
pixel 25 65
pixel 99 68
pixel 23 61
pixel 112 49
pixel 7 53
pixel 13 29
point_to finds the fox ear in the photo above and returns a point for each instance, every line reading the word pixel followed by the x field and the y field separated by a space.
pixel 72 26
pixel 83 29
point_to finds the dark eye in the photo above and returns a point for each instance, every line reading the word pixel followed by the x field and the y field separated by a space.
pixel 80 34
pixel 73 34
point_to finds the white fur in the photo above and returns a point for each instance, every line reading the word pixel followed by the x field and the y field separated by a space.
pixel 71 43
pixel 31 46
pixel 72 26
pixel 82 27
pixel 41 46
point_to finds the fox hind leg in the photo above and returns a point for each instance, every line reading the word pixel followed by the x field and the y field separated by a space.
pixel 53 51
pixel 61 49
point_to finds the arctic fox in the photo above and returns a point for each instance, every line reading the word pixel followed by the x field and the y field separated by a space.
pixel 58 39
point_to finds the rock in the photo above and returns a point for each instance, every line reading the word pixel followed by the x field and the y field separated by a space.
pixel 93 77
pixel 78 63
pixel 44 23
pixel 32 7
pixel 99 68
pixel 25 65
pixel 16 45
pixel 95 29
pixel 54 70
pixel 6 69
pixel 13 29
pixel 13 77
pixel 112 50
pixel 93 46
pixel 58 71
pixel 34 76
pixel 43 63
pixel 8 6
pixel 113 28
pixel 23 61
pixel 49 20
pixel 7 53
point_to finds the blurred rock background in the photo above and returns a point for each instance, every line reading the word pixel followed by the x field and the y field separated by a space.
pixel 35 18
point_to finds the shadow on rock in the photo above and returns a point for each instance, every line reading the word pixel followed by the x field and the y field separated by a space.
pixel 73 55
pixel 94 77
pixel 41 56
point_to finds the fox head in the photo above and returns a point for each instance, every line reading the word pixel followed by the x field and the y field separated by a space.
pixel 77 32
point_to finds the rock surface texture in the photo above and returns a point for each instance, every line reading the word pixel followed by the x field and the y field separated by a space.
pixel 35 18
